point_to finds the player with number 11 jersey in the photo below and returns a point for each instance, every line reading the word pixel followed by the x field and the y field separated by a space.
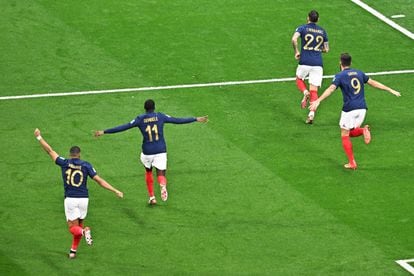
pixel 154 149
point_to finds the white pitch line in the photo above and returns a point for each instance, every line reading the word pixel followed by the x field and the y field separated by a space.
pixel 398 16
pixel 384 18
pixel 180 86
pixel 405 264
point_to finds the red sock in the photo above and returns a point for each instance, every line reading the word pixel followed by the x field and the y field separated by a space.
pixel 162 180
pixel 346 143
pixel 77 236
pixel 300 84
pixel 149 179
pixel 313 95
pixel 75 242
pixel 76 230
pixel 356 132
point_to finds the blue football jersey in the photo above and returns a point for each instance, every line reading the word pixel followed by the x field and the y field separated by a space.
pixel 75 174
pixel 351 82
pixel 313 38
pixel 151 126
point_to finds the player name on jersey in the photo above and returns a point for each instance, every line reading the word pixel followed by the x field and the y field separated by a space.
pixel 150 119
pixel 312 30
pixel 72 166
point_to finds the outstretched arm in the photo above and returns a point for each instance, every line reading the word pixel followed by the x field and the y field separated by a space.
pixel 45 145
pixel 102 182
pixel 314 105
pixel 115 129
pixel 381 86
pixel 295 37
pixel 174 120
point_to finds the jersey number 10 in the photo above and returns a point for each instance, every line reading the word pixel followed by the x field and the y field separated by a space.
pixel 70 177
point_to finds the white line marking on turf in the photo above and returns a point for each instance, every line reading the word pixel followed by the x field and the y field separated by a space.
pixel 170 87
pixel 398 16
pixel 405 264
pixel 384 18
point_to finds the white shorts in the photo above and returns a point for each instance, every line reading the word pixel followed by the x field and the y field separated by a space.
pixel 76 208
pixel 159 161
pixel 352 119
pixel 315 74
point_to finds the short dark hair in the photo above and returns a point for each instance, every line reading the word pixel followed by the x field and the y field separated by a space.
pixel 75 150
pixel 149 105
pixel 313 16
pixel 346 59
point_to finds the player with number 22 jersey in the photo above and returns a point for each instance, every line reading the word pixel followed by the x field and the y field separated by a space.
pixel 314 42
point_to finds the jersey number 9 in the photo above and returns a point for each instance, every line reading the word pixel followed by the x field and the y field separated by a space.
pixel 356 85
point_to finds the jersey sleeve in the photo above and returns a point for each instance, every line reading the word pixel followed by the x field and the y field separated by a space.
pixel 325 36
pixel 299 29
pixel 173 120
pixel 91 171
pixel 121 128
pixel 365 78
pixel 336 80
pixel 61 161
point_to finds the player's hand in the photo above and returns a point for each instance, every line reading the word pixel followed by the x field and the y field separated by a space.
pixel 396 93
pixel 98 133
pixel 314 105
pixel 203 119
pixel 37 132
pixel 119 194
pixel 297 55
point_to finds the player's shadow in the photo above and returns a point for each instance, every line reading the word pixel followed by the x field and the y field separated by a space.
pixel 133 216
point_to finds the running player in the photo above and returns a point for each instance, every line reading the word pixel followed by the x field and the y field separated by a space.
pixel 314 42
pixel 351 82
pixel 75 173
pixel 154 150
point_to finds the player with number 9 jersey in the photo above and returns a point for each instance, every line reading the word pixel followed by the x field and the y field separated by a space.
pixel 352 83
pixel 154 149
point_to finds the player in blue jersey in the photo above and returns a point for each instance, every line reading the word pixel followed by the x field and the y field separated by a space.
pixel 314 42
pixel 75 173
pixel 154 150
pixel 351 82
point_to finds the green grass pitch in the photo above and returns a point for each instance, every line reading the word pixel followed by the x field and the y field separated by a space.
pixel 255 191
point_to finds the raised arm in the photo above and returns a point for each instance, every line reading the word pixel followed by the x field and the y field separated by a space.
pixel 381 86
pixel 314 105
pixel 102 182
pixel 45 145
pixel 295 37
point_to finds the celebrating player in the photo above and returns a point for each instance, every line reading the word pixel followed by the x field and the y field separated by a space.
pixel 351 82
pixel 314 42
pixel 154 150
pixel 75 173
